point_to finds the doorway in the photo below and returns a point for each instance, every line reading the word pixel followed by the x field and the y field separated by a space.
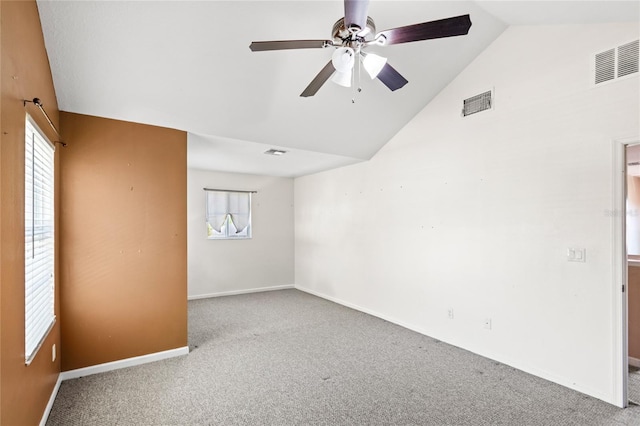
pixel 632 239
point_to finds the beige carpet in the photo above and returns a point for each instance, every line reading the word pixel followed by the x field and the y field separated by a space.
pixel 289 358
pixel 634 385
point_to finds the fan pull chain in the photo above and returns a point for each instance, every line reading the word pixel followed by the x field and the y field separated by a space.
pixel 359 70
pixel 356 78
pixel 354 82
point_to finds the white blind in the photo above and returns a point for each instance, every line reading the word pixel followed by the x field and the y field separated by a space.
pixel 39 239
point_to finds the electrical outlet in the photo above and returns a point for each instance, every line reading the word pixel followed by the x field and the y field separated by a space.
pixel 53 353
pixel 450 313
pixel 487 323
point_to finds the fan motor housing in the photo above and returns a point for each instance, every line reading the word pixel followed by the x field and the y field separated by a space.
pixel 341 34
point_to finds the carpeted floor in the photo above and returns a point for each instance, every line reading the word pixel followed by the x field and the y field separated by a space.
pixel 286 357
pixel 634 385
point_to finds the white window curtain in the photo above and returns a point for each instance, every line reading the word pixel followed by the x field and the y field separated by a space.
pixel 228 214
pixel 39 239
pixel 239 209
pixel 217 209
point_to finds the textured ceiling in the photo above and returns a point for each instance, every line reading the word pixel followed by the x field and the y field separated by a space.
pixel 187 65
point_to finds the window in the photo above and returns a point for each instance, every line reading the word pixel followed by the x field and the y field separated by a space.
pixel 39 239
pixel 228 214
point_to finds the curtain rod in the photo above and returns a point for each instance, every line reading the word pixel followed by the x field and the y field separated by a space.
pixel 37 102
pixel 230 190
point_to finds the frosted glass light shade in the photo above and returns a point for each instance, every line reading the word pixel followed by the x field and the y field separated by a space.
pixel 373 64
pixel 343 59
pixel 342 78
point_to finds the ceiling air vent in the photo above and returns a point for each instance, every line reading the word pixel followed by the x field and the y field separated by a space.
pixel 615 63
pixel 476 103
pixel 275 152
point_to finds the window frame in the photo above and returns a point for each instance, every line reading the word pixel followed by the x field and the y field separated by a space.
pixel 228 230
pixel 38 323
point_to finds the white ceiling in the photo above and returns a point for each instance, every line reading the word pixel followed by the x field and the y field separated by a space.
pixel 187 65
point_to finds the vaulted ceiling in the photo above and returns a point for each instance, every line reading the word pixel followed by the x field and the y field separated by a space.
pixel 187 65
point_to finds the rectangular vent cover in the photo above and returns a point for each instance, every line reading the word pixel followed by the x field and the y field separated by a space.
pixel 628 58
pixel 617 62
pixel 605 66
pixel 476 103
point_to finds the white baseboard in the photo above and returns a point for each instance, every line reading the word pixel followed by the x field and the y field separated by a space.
pixel 235 292
pixel 634 362
pixel 49 406
pixel 365 310
pixel 123 363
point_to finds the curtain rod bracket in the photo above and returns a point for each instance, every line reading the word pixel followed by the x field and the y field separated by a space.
pixel 37 102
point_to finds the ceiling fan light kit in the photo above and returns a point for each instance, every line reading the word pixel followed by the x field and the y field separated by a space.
pixel 342 78
pixel 372 63
pixel 342 59
pixel 355 32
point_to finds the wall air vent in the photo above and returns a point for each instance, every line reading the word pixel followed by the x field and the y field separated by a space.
pixel 605 66
pixel 628 58
pixel 481 102
pixel 615 63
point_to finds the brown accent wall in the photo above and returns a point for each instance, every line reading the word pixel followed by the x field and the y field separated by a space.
pixel 633 277
pixel 633 218
pixel 24 390
pixel 124 252
pixel 633 297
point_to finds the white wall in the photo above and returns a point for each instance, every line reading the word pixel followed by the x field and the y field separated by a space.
pixel 219 267
pixel 476 213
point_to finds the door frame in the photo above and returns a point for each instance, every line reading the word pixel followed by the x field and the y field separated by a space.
pixel 620 300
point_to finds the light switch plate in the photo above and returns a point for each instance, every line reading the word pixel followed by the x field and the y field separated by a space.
pixel 576 254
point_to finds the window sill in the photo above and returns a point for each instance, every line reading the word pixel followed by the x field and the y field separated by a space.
pixel 29 360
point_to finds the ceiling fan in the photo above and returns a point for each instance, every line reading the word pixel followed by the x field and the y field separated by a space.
pixel 356 31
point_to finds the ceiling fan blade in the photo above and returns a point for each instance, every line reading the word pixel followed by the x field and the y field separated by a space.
pixel 319 80
pixel 355 13
pixel 259 46
pixel 458 25
pixel 391 78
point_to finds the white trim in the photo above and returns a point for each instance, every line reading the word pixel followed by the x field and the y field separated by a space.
pixel 620 369
pixel 234 292
pixel 620 366
pixel 634 362
pixel 123 363
pixel 52 398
